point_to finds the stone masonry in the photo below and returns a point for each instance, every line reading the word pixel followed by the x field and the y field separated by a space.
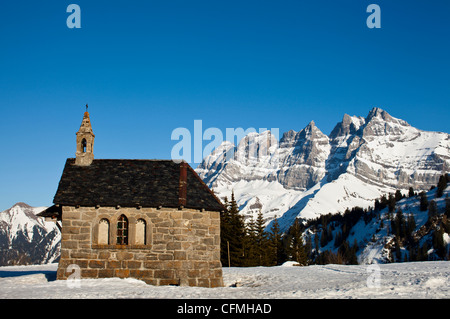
pixel 181 246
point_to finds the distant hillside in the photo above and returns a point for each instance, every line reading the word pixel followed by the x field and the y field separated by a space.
pixel 26 239
pixel 397 228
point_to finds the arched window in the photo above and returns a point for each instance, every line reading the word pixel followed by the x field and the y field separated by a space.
pixel 141 232
pixel 103 232
pixel 122 230
pixel 83 145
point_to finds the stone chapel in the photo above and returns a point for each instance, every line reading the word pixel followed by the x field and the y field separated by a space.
pixel 153 220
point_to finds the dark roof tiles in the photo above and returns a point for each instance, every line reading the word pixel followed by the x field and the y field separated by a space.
pixel 131 183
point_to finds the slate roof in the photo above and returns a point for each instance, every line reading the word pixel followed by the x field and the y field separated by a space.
pixel 132 183
pixel 52 212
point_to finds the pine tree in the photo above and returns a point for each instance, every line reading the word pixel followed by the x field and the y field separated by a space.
pixel 432 209
pixel 445 224
pixel 398 253
pixel 438 242
pixel 411 192
pixel 261 238
pixel 411 226
pixel 277 256
pixel 236 235
pixel 297 249
pixel 423 201
pixel 394 227
pixel 355 245
pixel 250 253
pixel 377 205
pixel 447 206
pixel 316 242
pixel 329 234
pixel 348 254
pixel 383 202
pixel 400 224
pixel 338 239
pixel 324 237
pixel 308 249
pixel 225 233
pixel 353 260
pixel 398 195
pixel 423 252
pixel 442 184
pixel 391 203
pixel 412 253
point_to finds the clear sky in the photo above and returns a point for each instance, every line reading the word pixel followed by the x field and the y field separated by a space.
pixel 148 67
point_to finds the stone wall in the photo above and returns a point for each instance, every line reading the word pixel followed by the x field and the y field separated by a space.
pixel 177 247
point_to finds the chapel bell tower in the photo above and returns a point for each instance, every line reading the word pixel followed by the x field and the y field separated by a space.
pixel 85 142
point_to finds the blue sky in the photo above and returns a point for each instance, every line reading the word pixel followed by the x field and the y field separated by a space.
pixel 148 67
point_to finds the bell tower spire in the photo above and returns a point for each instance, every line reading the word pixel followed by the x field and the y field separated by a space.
pixel 85 142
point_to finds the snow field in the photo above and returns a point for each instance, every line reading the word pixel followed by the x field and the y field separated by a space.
pixel 403 280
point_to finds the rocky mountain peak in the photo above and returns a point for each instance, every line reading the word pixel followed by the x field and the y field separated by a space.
pixel 288 138
pixel 309 173
pixel 381 123
pixel 378 112
pixel 380 115
pixel 311 125
pixel 349 125
pixel 298 139
pixel 21 230
pixel 22 204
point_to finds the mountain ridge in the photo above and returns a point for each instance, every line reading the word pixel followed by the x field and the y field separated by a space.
pixel 26 239
pixel 308 173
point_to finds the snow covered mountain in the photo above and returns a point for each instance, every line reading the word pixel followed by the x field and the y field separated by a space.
pixel 307 173
pixel 26 239
pixel 380 236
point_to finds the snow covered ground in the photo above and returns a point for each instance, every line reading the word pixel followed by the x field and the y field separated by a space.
pixel 402 280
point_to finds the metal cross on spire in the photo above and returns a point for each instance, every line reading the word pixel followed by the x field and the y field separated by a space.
pixel 86 107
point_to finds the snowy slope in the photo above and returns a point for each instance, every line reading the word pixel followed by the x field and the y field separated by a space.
pixel 26 238
pixel 307 173
pixel 374 235
pixel 405 280
pixel 374 250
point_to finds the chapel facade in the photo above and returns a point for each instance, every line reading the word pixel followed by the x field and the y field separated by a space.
pixel 153 220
